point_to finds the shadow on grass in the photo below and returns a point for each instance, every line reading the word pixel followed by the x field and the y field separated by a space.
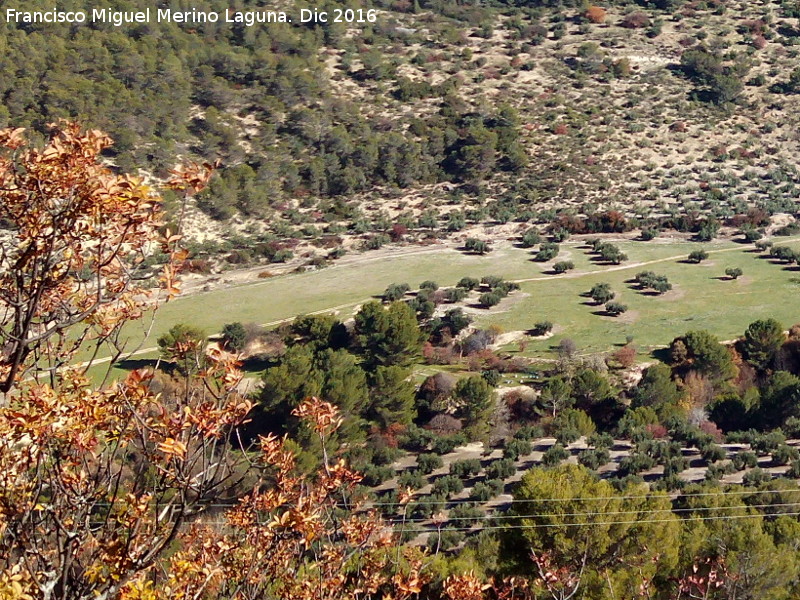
pixel 662 354
pixel 131 364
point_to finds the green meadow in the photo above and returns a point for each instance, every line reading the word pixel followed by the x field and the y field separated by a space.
pixel 702 297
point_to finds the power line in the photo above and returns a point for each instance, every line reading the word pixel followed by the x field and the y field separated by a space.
pixel 599 513
pixel 596 498
pixel 550 525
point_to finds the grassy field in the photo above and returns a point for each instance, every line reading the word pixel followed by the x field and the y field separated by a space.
pixel 701 297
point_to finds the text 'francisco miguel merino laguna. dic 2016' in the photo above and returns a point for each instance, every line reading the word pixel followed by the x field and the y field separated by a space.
pixel 160 15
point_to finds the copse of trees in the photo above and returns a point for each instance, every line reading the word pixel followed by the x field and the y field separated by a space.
pixel 698 256
pixel 601 293
pixel 716 80
pixel 647 280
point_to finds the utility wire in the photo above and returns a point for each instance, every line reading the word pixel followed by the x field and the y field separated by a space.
pixel 549 525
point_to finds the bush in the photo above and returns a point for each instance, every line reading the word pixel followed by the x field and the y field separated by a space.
pixel 415 439
pixel 633 464
pixel 463 469
pixel 567 435
pixel 428 463
pixel 516 448
pixel 600 440
pixel 755 477
pixel 744 459
pixel 466 515
pixel 601 293
pixel 542 328
pixel 595 14
pixel 455 294
pixel 395 292
pixel 698 256
pixel 528 433
pixel 733 272
pixel 411 479
pixel 476 245
pixel 234 337
pixel 675 465
pixel 712 453
pixel 615 308
pixel 502 468
pixel 489 299
pixel 468 283
pixel 635 20
pixel 481 492
pixel 448 485
pixel 530 238
pixel 784 454
pixel 426 507
pixel 554 455
pixel 547 251
pixel 563 266
pixel 594 458
pixel 445 445
pixel 447 539
pixel 375 475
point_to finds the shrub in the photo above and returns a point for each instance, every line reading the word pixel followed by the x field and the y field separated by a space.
pixel 744 459
pixel 784 454
pixel 375 475
pixel 530 238
pixel 516 448
pixel 234 336
pixel 463 469
pixel 542 328
pixel 445 445
pixel 595 14
pixel 528 433
pixel 733 272
pixel 455 294
pixel 491 281
pixel 429 285
pixel 600 440
pixel 468 283
pixel 428 462
pixel 563 266
pixel 466 515
pixel 395 292
pixel 447 539
pixel 411 479
pixel 713 453
pixel 426 507
pixel 554 455
pixel 481 492
pixel 594 458
pixel 601 293
pixel 502 468
pixel 698 256
pixel 448 485
pixel 633 464
pixel 489 299
pixel 615 308
pixel 675 465
pixel 755 477
pixel 547 251
pixel 477 246
pixel 567 435
pixel 635 20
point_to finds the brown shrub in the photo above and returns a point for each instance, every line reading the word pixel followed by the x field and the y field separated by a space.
pixel 444 425
pixel 595 14
pixel 635 20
